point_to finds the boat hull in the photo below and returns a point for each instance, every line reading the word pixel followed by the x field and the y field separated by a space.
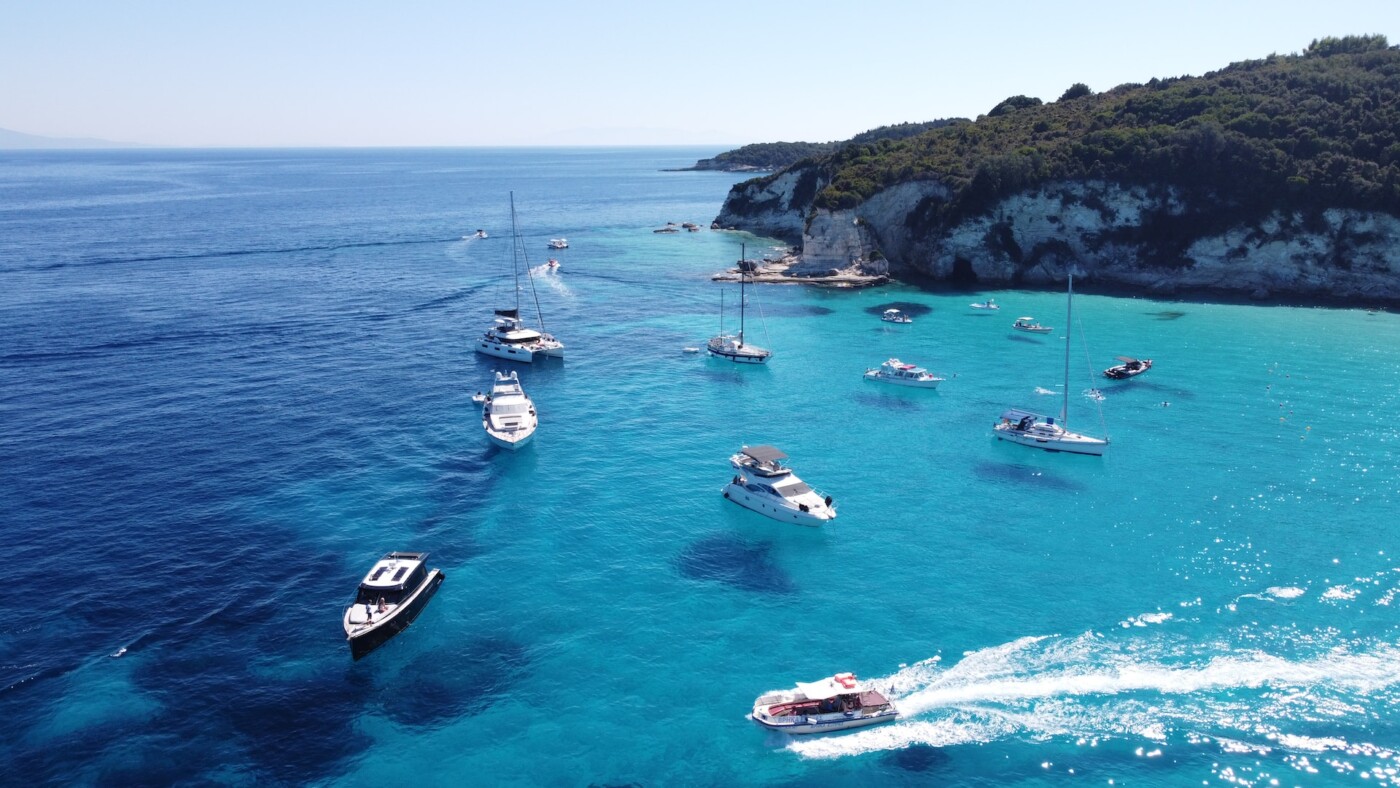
pixel 764 505
pixel 508 352
pixel 918 384
pixel 1072 443
pixel 740 357
pixel 505 441
pixel 1033 330
pixel 821 723
pixel 369 640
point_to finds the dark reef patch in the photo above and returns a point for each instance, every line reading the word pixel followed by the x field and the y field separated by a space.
pixel 907 307
pixel 920 758
pixel 1167 315
pixel 886 401
pixel 735 562
pixel 791 310
pixel 1023 474
pixel 444 684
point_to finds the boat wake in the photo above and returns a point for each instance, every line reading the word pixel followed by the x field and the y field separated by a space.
pixel 550 276
pixel 1137 685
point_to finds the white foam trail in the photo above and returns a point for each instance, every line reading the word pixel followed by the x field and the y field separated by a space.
pixel 1090 686
pixel 1041 390
pixel 550 276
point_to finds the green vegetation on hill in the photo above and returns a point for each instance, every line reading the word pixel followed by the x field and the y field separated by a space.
pixel 777 155
pixel 1309 131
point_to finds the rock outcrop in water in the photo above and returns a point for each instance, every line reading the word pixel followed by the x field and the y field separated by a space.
pixel 1279 179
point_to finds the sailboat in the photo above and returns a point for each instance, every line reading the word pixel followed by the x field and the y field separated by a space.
pixel 1041 432
pixel 730 346
pixel 510 338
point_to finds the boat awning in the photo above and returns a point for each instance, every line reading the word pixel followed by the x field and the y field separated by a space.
pixel 1026 319
pixel 1127 359
pixel 821 690
pixel 764 453
pixel 1016 414
pixel 515 313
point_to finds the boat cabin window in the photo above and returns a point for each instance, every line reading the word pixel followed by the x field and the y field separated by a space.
pixel 371 596
pixel 399 574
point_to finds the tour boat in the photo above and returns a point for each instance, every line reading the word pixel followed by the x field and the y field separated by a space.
pixel 508 415
pixel 1042 432
pixel 901 374
pixel 510 338
pixel 987 306
pixel 391 596
pixel 1130 367
pixel 895 316
pixel 1029 325
pixel 770 488
pixel 733 347
pixel 558 243
pixel 837 703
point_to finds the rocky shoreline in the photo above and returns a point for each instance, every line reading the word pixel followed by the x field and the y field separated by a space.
pixel 790 269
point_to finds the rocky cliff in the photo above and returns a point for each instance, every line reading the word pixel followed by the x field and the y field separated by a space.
pixel 1272 179
pixel 1144 239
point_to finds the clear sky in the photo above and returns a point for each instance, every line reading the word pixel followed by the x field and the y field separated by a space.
pixel 539 72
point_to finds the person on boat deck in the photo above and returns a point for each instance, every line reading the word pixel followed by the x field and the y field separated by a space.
pixel 1026 422
pixel 382 607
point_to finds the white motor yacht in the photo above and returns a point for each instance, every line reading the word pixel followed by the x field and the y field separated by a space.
pixel 986 307
pixel 770 488
pixel 508 415
pixel 558 243
pixel 832 704
pixel 391 596
pixel 895 316
pixel 902 374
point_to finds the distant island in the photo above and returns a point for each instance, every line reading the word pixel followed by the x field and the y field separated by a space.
pixel 1273 179
pixel 18 140
pixel 769 156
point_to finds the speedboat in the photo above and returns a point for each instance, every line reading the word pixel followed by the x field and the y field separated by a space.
pixel 837 703
pixel 391 596
pixel 558 243
pixel 895 316
pixel 509 338
pixel 480 234
pixel 1041 432
pixel 508 416
pixel 901 374
pixel 987 306
pixel 552 264
pixel 1130 367
pixel 1029 325
pixel 770 488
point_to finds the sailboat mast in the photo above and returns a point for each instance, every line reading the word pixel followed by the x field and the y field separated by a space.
pixel 741 295
pixel 514 253
pixel 1069 334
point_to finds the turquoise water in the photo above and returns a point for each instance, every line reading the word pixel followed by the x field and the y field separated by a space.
pixel 234 379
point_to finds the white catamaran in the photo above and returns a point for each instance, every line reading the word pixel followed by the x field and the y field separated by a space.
pixel 510 338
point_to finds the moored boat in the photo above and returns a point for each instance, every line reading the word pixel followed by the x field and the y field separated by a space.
pixel 895 316
pixel 1131 367
pixel 1029 325
pixel 558 243
pixel 837 703
pixel 510 338
pixel 730 346
pixel 770 488
pixel 508 415
pixel 902 374
pixel 393 593
pixel 986 307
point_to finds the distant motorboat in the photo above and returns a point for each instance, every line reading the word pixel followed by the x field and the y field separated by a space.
pixel 1029 325
pixel 895 316
pixel 770 488
pixel 552 265
pixel 393 593
pixel 986 307
pixel 902 374
pixel 1131 367
pixel 558 243
pixel 480 234
pixel 691 349
pixel 508 415
pixel 837 703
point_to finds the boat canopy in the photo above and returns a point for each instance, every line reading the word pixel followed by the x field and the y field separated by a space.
pixel 393 570
pixel 515 313
pixel 1127 359
pixel 1016 414
pixel 1027 319
pixel 821 690
pixel 764 453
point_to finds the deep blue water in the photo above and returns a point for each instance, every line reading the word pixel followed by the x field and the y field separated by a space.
pixel 233 379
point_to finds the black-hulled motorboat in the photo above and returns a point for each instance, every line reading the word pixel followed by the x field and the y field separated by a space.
pixel 391 596
pixel 1131 367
